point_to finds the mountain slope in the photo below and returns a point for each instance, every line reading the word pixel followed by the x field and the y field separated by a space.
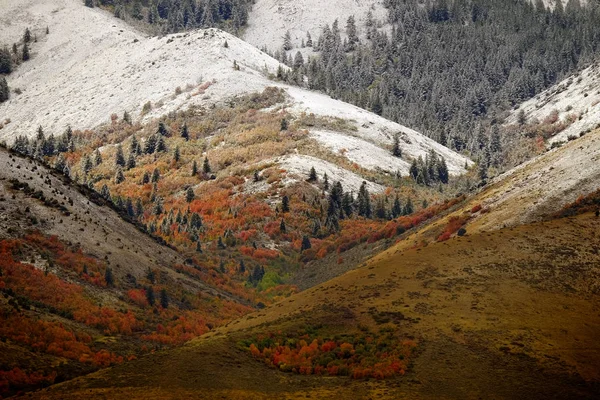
pixel 572 105
pixel 82 73
pixel 269 20
pixel 477 306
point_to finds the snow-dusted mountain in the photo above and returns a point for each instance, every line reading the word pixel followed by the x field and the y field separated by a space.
pixel 574 102
pixel 269 20
pixel 91 65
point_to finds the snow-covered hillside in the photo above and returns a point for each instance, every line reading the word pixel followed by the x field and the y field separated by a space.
pixel 269 20
pixel 576 98
pixel 91 65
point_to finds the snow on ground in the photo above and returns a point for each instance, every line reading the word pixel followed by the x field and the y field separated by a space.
pixel 577 96
pixel 541 186
pixel 269 20
pixel 298 167
pixel 92 65
pixel 375 129
pixel 361 152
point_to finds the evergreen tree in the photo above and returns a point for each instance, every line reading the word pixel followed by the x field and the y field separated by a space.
pixel 185 133
pixel 150 295
pixel 194 168
pixel 5 61
pixel 164 299
pixel 119 176
pixel 86 164
pixel 162 129
pixel 4 90
pixel 364 201
pixel 130 161
pixel 325 181
pixel 89 3
pixel 312 175
pixel 105 192
pixel 126 117
pixel 305 243
pixel 27 36
pixel 108 277
pixel 206 166
pixel 408 207
pixel 176 154
pixel 285 204
pixel 119 157
pixel 97 157
pixel 309 42
pixel 25 55
pixel 396 208
pixel 287 41
pixel 160 145
pixel 139 208
pixel 150 144
pixel 155 175
pixel 189 195
pixel 396 151
pixel 282 227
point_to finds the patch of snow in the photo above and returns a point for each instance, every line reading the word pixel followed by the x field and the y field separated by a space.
pixel 577 96
pixel 298 167
pixel 361 152
pixel 92 65
pixel 269 20
pixel 375 129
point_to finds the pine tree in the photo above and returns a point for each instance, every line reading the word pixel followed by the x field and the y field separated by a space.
pixel 198 247
pixel 189 195
pixel 150 144
pixel 414 169
pixel 108 277
pixel 150 295
pixel 86 164
pixel 396 151
pixel 27 36
pixel 396 208
pixel 298 61
pixel 105 192
pixel 325 181
pixel 285 204
pixel 4 90
pixel 130 161
pixel 25 55
pixel 309 42
pixel 185 133
pixel 176 154
pixel 139 208
pixel 5 60
pixel 283 125
pixel 119 157
pixel 119 176
pixel 155 175
pixel 220 243
pixel 206 166
pixel 162 129
pixel 282 227
pixel 194 168
pixel 312 176
pixel 287 41
pixel 89 3
pixel 160 145
pixel 305 243
pixel 408 207
pixel 97 157
pixel 364 201
pixel 164 298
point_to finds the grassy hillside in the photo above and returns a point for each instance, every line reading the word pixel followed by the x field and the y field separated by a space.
pixel 504 315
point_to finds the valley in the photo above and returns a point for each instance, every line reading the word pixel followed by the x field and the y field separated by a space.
pixel 273 199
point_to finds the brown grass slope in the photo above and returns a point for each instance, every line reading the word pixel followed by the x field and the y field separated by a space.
pixel 509 314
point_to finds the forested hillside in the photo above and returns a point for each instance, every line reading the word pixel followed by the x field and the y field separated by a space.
pixel 168 16
pixel 450 68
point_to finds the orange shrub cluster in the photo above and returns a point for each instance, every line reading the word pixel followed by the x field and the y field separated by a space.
pixel 454 224
pixel 583 204
pixel 17 379
pixel 365 356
